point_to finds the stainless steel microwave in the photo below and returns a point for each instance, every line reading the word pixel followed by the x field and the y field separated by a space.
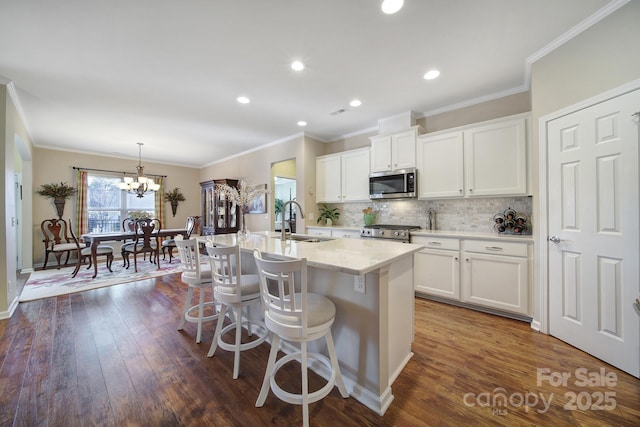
pixel 398 184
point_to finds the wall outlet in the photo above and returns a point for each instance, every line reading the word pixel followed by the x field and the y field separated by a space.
pixel 358 284
pixel 311 216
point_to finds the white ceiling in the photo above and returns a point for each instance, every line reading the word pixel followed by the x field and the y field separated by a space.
pixel 101 76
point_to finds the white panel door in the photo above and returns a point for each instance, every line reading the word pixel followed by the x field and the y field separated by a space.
pixel 328 179
pixel 593 227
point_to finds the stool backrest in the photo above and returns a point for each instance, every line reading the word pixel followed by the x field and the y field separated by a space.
pixel 226 270
pixel 278 290
pixel 189 254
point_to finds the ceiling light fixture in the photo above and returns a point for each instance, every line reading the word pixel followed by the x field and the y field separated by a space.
pixel 432 74
pixel 391 6
pixel 297 66
pixel 355 103
pixel 302 123
pixel 243 100
pixel 140 184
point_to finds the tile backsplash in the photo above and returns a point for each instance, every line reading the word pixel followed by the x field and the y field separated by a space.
pixel 451 214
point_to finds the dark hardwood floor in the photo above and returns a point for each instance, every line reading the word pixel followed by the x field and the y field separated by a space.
pixel 113 357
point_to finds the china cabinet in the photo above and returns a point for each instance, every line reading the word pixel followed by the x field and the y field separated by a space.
pixel 219 215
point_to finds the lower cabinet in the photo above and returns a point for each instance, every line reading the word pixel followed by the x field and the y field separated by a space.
pixel 334 232
pixel 485 273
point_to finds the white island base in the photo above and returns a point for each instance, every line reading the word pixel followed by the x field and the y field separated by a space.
pixel 373 330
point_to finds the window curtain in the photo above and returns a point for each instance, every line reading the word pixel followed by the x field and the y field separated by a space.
pixel 160 200
pixel 82 220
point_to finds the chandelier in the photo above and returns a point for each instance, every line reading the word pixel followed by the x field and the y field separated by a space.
pixel 140 184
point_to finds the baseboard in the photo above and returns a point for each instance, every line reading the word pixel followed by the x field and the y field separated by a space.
pixel 12 308
pixel 487 310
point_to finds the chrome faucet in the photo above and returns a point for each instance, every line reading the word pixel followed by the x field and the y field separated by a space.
pixel 284 209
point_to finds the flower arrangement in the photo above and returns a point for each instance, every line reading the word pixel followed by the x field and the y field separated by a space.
pixel 243 195
pixel 369 216
pixel 60 191
pixel 174 196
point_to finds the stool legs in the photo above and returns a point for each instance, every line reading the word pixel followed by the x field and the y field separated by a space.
pixel 273 353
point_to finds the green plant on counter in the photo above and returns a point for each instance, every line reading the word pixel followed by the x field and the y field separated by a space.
pixel 327 214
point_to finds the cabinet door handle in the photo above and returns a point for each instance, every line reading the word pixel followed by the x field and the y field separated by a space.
pixel 460 190
pixel 471 190
pixel 493 248
pixel 435 243
pixel 455 258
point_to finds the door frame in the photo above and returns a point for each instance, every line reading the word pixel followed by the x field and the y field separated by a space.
pixel 542 322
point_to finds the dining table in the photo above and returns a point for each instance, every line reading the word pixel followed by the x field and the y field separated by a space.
pixel 94 239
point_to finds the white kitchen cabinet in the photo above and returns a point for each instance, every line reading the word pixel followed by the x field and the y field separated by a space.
pixel 334 232
pixel 481 160
pixel 437 267
pixel 394 151
pixel 496 275
pixel 493 274
pixel 440 166
pixel 318 231
pixel 343 177
pixel 495 159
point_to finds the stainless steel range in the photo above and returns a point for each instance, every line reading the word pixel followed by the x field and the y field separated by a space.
pixel 385 231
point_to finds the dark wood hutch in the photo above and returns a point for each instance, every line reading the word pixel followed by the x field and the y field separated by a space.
pixel 219 215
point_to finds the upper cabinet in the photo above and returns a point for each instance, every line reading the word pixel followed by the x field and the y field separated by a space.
pixel 343 177
pixel 394 151
pixel 488 159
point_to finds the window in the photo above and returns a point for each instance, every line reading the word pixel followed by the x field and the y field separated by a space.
pixel 107 205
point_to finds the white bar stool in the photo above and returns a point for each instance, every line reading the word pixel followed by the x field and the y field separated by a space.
pixel 197 278
pixel 296 317
pixel 237 292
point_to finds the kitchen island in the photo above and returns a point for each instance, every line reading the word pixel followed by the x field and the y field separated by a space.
pixel 371 284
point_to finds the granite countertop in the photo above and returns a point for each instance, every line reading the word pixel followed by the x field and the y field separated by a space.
pixel 523 238
pixel 353 256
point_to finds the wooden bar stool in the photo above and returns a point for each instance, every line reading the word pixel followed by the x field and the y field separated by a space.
pixel 296 316
pixel 197 278
pixel 236 292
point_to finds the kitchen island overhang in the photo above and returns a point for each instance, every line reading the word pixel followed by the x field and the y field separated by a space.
pixel 373 331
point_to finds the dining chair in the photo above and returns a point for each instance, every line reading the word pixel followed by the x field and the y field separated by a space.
pixel 236 292
pixel 145 240
pixel 196 278
pixel 56 240
pixel 192 226
pixel 84 252
pixel 296 315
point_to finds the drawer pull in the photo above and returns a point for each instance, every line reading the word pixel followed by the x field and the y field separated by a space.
pixel 493 248
pixel 435 244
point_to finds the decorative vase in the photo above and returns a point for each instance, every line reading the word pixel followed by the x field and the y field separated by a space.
pixel 328 221
pixel 59 206
pixel 243 231
pixel 174 207
pixel 369 219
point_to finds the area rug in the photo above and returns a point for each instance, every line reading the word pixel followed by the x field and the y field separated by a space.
pixel 51 283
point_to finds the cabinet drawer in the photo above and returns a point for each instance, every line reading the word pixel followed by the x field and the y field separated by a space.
pixel 436 242
pixel 353 234
pixel 496 247
pixel 319 232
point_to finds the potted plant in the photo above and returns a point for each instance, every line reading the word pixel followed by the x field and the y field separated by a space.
pixel 59 193
pixel 328 214
pixel 174 196
pixel 369 216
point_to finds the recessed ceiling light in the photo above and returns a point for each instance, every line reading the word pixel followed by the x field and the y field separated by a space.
pixel 302 123
pixel 430 75
pixel 243 100
pixel 355 103
pixel 297 65
pixel 391 6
